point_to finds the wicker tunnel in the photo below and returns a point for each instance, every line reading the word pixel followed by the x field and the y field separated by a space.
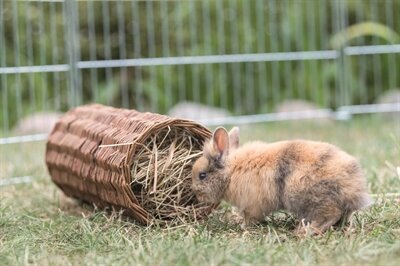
pixel 128 160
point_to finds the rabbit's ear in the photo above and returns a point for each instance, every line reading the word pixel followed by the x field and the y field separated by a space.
pixel 221 141
pixel 234 138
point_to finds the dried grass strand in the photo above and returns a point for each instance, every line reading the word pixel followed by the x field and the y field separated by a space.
pixel 168 173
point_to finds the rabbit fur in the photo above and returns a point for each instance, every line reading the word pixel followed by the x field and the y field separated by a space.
pixel 316 181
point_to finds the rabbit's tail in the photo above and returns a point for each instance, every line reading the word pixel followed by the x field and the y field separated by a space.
pixel 365 201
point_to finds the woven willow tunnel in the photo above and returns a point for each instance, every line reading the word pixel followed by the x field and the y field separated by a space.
pixel 128 160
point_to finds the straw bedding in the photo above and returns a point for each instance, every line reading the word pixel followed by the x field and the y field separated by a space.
pixel 136 162
pixel 161 175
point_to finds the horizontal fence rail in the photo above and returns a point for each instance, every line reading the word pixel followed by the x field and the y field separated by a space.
pixel 210 59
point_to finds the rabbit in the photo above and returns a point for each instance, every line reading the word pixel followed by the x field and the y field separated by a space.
pixel 316 181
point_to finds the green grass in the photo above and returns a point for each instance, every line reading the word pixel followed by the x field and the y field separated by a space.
pixel 38 225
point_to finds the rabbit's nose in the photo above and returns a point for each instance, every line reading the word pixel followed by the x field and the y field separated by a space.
pixel 200 198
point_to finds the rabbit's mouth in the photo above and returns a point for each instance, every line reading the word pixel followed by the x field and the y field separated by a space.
pixel 201 197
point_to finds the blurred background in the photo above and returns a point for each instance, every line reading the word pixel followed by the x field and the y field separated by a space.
pixel 245 57
pixel 218 62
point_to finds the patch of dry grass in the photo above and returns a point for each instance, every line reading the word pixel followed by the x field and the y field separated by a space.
pixel 161 176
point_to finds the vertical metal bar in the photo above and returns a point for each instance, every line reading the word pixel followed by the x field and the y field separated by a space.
pixel 261 31
pixel 362 62
pixel 288 93
pixel 323 46
pixel 236 66
pixel 107 49
pixel 29 45
pixel 54 55
pixel 122 54
pixel 249 67
pixel 165 46
pixel 152 53
pixel 17 62
pixel 300 36
pixel 92 49
pixel 273 41
pixel 72 44
pixel 346 90
pixel 75 10
pixel 180 49
pixel 392 62
pixel 17 59
pixel 376 59
pixel 221 49
pixel 301 44
pixel 138 54
pixel 339 66
pixel 194 45
pixel 312 41
pixel 42 55
pixel 206 33
pixel 336 27
pixel 3 60
pixel 69 85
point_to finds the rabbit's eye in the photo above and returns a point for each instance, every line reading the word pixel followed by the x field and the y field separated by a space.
pixel 202 175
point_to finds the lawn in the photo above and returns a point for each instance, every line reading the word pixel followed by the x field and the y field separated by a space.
pixel 38 225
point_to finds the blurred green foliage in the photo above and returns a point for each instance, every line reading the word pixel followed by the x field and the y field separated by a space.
pixel 36 33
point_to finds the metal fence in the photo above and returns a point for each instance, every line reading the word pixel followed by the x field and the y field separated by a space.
pixel 245 56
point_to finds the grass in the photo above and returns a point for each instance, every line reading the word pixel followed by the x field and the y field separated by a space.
pixel 38 225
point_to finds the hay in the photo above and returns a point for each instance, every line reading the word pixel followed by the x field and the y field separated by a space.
pixel 139 163
pixel 161 175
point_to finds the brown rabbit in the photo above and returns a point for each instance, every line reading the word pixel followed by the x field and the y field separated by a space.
pixel 316 181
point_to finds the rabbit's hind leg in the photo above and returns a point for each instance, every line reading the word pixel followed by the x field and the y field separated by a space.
pixel 319 220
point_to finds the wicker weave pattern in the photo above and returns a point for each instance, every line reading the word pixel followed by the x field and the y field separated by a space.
pixel 102 176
